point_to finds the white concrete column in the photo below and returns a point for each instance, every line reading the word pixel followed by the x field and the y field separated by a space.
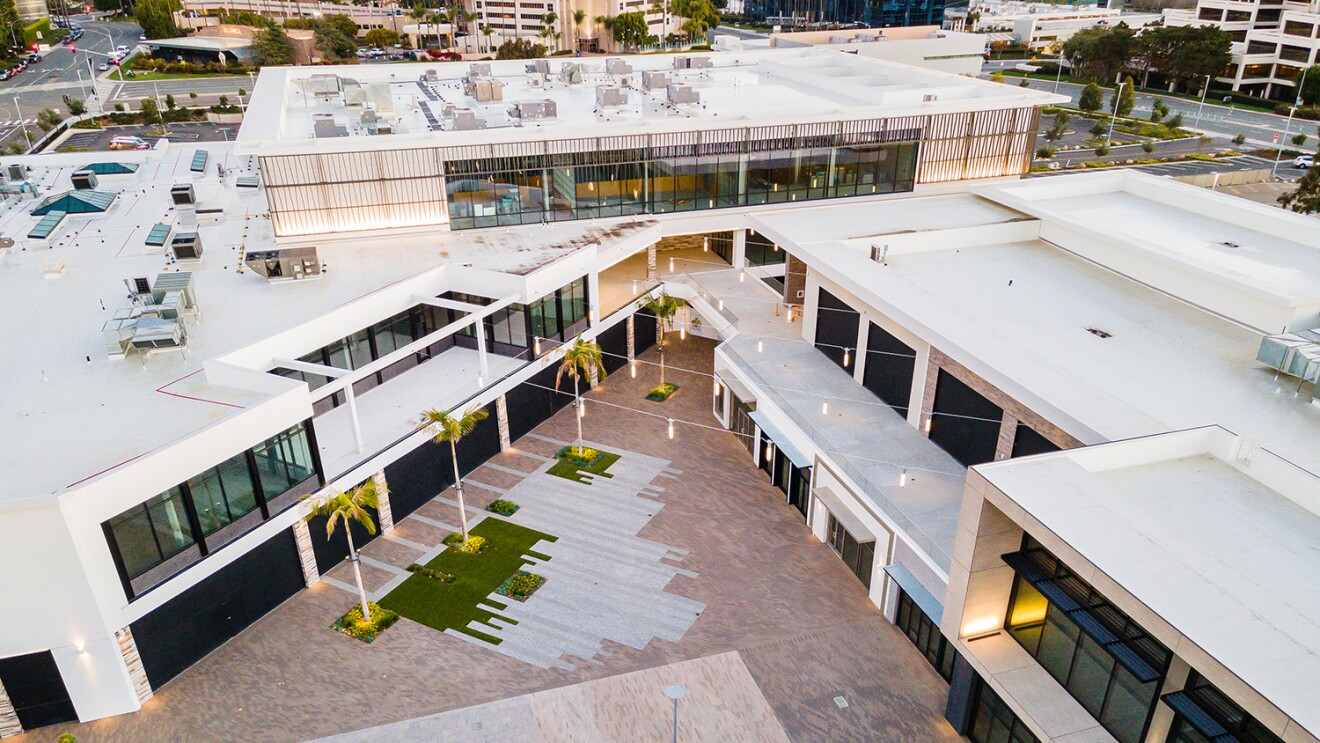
pixel 9 725
pixel 502 420
pixel 859 351
pixel 97 678
pixel 383 511
pixel 353 413
pixel 136 671
pixel 593 298
pixel 481 351
pixel 306 556
pixel 740 248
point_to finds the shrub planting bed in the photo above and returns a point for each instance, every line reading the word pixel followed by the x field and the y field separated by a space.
pixel 352 625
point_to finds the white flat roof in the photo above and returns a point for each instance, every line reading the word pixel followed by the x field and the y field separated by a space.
pixel 1016 309
pixel 742 88
pixel 68 419
pixel 1227 561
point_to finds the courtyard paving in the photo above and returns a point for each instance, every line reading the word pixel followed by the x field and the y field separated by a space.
pixel 775 597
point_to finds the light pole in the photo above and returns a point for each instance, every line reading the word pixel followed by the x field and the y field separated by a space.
pixel 1287 129
pixel 675 693
pixel 1200 107
pixel 22 124
pixel 1058 75
pixel 1118 94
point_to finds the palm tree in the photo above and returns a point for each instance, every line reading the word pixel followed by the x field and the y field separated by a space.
pixel 579 16
pixel 582 359
pixel 445 426
pixel 665 308
pixel 488 30
pixel 349 507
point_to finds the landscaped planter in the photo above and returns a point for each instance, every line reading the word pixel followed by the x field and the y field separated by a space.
pixel 521 585
pixel 663 392
pixel 503 507
pixel 582 468
pixel 352 625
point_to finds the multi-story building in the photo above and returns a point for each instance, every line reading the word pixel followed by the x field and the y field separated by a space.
pixel 1274 41
pixel 1039 26
pixel 929 47
pixel 1108 322
pixel 270 305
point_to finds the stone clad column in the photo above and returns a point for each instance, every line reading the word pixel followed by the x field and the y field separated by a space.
pixel 632 340
pixel 136 672
pixel 651 271
pixel 383 511
pixel 502 419
pixel 306 556
pixel 9 724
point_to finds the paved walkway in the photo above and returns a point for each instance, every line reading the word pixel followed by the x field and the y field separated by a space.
pixel 721 703
pixel 798 619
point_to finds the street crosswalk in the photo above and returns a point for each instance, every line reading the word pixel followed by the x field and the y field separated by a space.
pixel 17 122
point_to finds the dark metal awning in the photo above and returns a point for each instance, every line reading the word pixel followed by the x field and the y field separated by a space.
pixel 918 593
pixel 781 441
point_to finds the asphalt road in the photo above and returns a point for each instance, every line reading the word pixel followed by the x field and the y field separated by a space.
pixel 61 72
pixel 1215 119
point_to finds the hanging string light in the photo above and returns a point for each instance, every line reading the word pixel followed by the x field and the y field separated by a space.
pixel 536 345
pixel 902 478
pixel 705 244
pixel 582 409
pixel 671 428
pixel 825 407
pixel 634 369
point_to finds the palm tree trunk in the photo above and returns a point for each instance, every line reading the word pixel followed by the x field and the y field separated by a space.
pixel 662 356
pixel 357 573
pixel 578 412
pixel 458 488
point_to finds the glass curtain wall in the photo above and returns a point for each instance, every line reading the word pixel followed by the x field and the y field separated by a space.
pixel 925 634
pixel 492 192
pixel 1106 661
pixel 558 316
pixel 157 539
pixel 994 722
pixel 858 556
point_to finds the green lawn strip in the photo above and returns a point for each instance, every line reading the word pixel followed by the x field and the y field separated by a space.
pixel 453 605
pixel 569 471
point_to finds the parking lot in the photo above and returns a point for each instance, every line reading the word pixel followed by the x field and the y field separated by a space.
pixel 186 132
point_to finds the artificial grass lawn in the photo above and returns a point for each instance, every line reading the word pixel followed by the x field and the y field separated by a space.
pixel 569 471
pixel 453 605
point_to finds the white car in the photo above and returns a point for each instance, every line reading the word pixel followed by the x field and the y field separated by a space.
pixel 103 67
pixel 121 49
pixel 1303 161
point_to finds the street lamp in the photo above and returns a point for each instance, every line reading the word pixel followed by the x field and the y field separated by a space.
pixel 1118 94
pixel 1287 129
pixel 19 113
pixel 1201 106
pixel 675 692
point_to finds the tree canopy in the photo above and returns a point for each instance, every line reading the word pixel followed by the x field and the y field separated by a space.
pixel 630 29
pixel 1310 90
pixel 520 49
pixel 1092 98
pixel 156 17
pixel 1305 199
pixel 1183 54
pixel 271 46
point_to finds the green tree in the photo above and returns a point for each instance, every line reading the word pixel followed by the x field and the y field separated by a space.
pixel 169 102
pixel 1058 128
pixel 150 111
pixel 334 43
pixel 1305 199
pixel 1122 102
pixel 1310 90
pixel 997 77
pixel 1099 53
pixel 1175 121
pixel 156 17
pixel 341 23
pixel 1298 139
pixel 348 507
pixel 11 25
pixel 1092 98
pixel 581 359
pixel 272 46
pixel 579 16
pixel 445 427
pixel 665 308
pixel 382 37
pixel 49 118
pixel 630 29
pixel 1197 52
pixel 1158 110
pixel 520 49
pixel 76 106
pixel 699 16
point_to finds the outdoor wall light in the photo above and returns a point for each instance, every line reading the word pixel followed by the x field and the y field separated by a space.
pixel 741 275
pixel 760 346
pixel 705 244
pixel 769 450
pixel 536 345
pixel 825 407
pixel 582 409
pixel 926 426
pixel 671 263
pixel 721 305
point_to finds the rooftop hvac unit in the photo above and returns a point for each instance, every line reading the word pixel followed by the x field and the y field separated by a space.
pixel 84 180
pixel 186 246
pixel 431 76
pixel 870 37
pixel 611 95
pixel 654 80
pixel 692 63
pixel 539 67
pixel 175 290
pixel 545 109
pixel 16 172
pixel 929 98
pixel 616 66
pixel 141 328
pixel 183 194
pixel 479 69
pixel 484 90
pixel 465 121
pixel 841 39
pixel 285 264
pixel 679 94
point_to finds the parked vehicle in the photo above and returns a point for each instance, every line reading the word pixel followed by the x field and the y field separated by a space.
pixel 142 37
pixel 103 67
pixel 1304 161
pixel 33 58
pixel 129 143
